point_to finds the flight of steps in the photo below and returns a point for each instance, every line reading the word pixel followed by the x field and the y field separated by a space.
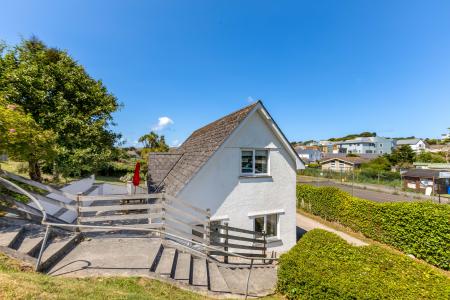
pixel 166 259
pixel 23 241
pixel 205 274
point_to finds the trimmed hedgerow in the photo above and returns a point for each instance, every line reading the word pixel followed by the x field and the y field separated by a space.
pixel 418 228
pixel 324 266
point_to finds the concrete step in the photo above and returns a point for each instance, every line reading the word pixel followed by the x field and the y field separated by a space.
pixel 183 268
pixel 9 235
pixel 154 253
pixel 199 273
pixel 57 249
pixel 31 245
pixel 31 240
pixel 236 279
pixel 166 262
pixel 262 281
pixel 216 281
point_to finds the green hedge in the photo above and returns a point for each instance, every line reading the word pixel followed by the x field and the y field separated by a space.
pixel 324 266
pixel 418 228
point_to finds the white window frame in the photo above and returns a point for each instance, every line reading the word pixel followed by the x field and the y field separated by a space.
pixel 253 174
pixel 275 237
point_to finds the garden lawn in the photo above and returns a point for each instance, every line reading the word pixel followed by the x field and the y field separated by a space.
pixel 19 282
pixel 324 266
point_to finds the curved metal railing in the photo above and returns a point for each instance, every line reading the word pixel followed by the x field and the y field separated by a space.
pixel 128 228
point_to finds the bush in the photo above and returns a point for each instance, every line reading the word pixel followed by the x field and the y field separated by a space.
pixel 324 266
pixel 418 228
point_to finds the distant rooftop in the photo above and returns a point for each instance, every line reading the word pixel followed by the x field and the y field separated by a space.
pixel 408 141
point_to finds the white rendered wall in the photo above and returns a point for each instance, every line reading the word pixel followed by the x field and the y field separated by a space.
pixel 218 184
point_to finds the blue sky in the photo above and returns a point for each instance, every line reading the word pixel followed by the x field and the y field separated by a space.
pixel 322 68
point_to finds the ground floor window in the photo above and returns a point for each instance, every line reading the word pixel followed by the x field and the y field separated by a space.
pixel 268 224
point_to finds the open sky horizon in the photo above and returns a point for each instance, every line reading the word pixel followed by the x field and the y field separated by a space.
pixel 322 68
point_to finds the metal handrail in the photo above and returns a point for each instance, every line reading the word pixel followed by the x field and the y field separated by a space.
pixel 50 224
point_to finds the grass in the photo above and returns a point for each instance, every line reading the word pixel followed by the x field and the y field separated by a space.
pixel 108 179
pixel 20 282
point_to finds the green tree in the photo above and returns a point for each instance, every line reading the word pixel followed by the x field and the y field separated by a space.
pixel 430 157
pixel 378 164
pixel 402 156
pixel 154 142
pixel 22 138
pixel 60 96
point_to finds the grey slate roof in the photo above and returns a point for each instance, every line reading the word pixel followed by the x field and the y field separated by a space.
pixel 349 159
pixel 407 142
pixel 173 170
pixel 422 173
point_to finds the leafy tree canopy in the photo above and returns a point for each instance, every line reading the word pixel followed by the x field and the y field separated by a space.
pixel 352 136
pixel 402 156
pixel 429 157
pixel 21 137
pixel 59 96
pixel 153 143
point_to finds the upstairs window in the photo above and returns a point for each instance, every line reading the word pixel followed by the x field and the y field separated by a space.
pixel 255 162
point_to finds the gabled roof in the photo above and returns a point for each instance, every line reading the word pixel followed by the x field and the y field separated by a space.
pixel 353 160
pixel 175 169
pixel 408 141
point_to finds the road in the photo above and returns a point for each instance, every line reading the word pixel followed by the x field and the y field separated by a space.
pixel 363 193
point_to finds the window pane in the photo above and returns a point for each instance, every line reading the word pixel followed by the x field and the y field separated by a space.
pixel 247 162
pixel 271 225
pixel 261 161
pixel 259 224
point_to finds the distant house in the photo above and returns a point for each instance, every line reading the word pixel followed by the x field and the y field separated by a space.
pixel 366 145
pixel 241 167
pixel 309 155
pixel 421 179
pixel 417 145
pixel 342 164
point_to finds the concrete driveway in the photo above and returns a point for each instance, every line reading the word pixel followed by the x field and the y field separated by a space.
pixel 305 224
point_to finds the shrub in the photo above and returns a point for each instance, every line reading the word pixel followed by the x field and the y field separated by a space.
pixel 324 266
pixel 418 228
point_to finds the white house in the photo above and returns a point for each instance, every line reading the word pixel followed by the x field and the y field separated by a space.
pixel 241 167
pixel 366 145
pixel 417 145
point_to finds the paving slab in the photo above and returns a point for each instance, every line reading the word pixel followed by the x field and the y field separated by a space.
pixel 109 256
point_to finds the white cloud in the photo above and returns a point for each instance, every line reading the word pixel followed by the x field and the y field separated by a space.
pixel 250 99
pixel 163 122
pixel 175 143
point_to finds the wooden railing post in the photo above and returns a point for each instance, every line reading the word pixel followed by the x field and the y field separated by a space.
pixel 208 229
pixel 78 210
pixel 225 258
